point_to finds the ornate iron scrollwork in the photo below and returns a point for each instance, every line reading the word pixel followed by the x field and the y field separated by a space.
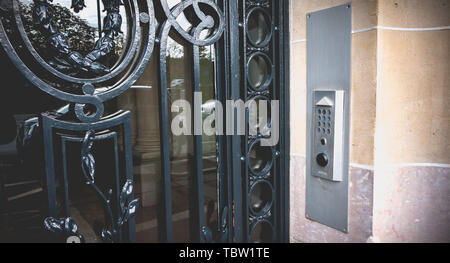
pixel 113 225
pixel 99 83
pixel 221 236
pixel 93 83
pixel 87 159
pixel 65 228
pixel 64 55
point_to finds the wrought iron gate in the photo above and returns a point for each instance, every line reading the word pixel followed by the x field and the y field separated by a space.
pixel 251 58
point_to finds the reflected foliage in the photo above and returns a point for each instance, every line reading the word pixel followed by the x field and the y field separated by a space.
pixel 80 35
pixel 56 32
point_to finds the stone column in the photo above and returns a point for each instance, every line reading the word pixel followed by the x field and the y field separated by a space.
pixel 147 141
pixel 147 149
pixel 127 101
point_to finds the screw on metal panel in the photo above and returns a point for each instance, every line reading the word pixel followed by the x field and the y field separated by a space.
pixel 308 15
pixel 348 6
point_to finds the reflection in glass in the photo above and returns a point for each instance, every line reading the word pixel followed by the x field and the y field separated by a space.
pixel 258 71
pixel 261 198
pixel 207 86
pixel 81 30
pixel 258 27
pixel 260 158
pixel 143 104
pixel 262 233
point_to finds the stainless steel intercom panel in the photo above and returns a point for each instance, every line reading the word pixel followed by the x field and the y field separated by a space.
pixel 328 131
pixel 328 110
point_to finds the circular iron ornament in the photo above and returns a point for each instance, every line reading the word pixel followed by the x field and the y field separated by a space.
pixel 130 51
pixel 266 232
pixel 89 91
pixel 263 130
pixel 206 21
pixel 253 14
pixel 268 162
pixel 266 78
pixel 261 197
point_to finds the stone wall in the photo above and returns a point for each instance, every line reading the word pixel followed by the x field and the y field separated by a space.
pixel 399 152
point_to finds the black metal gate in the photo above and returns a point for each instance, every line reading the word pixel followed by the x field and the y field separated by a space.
pixel 251 58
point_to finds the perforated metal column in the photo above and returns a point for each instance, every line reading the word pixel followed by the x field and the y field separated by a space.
pixel 261 81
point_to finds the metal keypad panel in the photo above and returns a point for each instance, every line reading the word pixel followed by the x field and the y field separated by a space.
pixel 324 121
pixel 323 154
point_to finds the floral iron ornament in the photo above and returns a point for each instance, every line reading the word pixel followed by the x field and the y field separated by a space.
pixel 85 82
pixel 128 205
pixel 64 228
pixel 87 159
pixel 65 57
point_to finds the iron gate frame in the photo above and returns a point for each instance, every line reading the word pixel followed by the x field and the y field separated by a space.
pixel 233 192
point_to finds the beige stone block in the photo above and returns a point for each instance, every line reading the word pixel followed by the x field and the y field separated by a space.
pixel 364 14
pixel 298 98
pixel 363 97
pixel 413 97
pixel 414 13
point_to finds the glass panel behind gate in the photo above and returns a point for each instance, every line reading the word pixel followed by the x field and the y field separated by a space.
pixel 143 101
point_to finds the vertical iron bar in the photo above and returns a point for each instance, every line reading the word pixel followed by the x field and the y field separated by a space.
pixel 221 83
pixel 198 209
pixel 246 181
pixel 276 89
pixel 66 183
pixel 165 223
pixel 245 193
pixel 117 181
pixel 99 18
pixel 226 93
pixel 128 152
pixel 285 143
pixel 235 74
pixel 47 131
